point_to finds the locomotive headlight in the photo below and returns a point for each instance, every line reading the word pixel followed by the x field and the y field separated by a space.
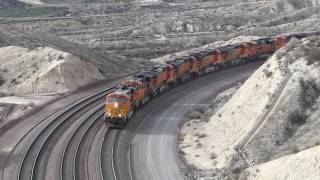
pixel 119 115
pixel 116 105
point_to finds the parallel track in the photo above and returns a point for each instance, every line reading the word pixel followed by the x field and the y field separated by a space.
pixel 110 156
pixel 84 162
pixel 69 158
pixel 41 144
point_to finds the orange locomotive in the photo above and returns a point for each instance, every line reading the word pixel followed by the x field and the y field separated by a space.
pixel 131 94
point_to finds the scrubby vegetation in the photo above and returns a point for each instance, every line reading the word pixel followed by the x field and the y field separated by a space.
pixel 18 12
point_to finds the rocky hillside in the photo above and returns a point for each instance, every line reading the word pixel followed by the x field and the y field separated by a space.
pixel 274 114
pixel 122 36
pixel 303 165
pixel 42 71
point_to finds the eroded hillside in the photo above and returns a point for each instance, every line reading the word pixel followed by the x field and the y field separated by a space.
pixel 274 114
pixel 121 37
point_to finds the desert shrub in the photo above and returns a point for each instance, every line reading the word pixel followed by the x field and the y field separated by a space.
pixel 4 70
pixel 310 93
pixel 280 54
pixel 194 115
pixel 182 152
pixel 201 109
pixel 14 81
pixel 31 104
pixel 197 113
pixel 86 21
pixel 60 57
pixel 2 80
pixel 314 55
pixel 280 6
pixel 213 156
pixel 297 3
pixel 206 116
pixel 288 131
pixel 294 149
pixel 297 118
pixel 236 170
pixel 267 106
pixel 181 137
pixel 33 11
pixel 202 135
pixel 267 73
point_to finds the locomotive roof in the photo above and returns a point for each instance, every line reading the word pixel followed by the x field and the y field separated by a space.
pixel 145 75
pixel 200 55
pixel 228 48
pixel 121 91
pixel 175 62
pixel 186 58
pixel 159 67
pixel 298 35
pixel 140 79
pixel 211 50
pixel 264 40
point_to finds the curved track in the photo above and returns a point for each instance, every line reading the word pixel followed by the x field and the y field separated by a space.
pixel 74 143
pixel 147 148
pixel 51 148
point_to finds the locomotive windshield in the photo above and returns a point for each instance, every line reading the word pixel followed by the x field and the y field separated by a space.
pixel 120 99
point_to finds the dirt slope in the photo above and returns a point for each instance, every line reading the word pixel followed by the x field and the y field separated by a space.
pixel 43 70
pixel 303 165
pixel 275 113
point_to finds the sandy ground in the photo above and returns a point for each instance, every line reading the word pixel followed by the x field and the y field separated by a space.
pixel 303 165
pixel 14 107
pixel 277 108
pixel 31 78
pixel 43 70
pixel 27 100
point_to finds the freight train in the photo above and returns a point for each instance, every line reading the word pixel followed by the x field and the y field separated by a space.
pixel 134 92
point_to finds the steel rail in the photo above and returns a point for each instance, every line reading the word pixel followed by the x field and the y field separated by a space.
pixel 79 132
pixel 68 110
pixel 53 133
pixel 77 155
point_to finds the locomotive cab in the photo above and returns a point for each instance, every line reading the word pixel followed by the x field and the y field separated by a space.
pixel 117 109
pixel 137 91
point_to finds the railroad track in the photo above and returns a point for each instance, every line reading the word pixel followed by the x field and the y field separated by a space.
pixel 35 156
pixel 115 164
pixel 77 144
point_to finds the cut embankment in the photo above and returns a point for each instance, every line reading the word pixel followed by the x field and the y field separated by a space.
pixel 273 114
pixel 43 71
pixel 30 78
